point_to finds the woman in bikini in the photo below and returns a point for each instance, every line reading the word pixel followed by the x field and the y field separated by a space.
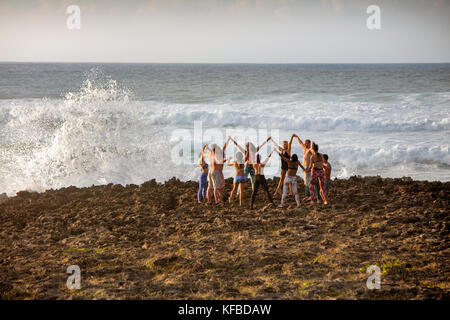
pixel 250 158
pixel 285 149
pixel 239 179
pixel 291 178
pixel 317 173
pixel 260 180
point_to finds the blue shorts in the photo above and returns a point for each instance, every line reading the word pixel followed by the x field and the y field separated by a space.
pixel 240 179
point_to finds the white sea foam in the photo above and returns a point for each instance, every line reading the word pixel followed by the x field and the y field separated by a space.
pixel 311 116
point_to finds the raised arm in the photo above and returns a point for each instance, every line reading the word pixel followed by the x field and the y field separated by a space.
pixel 268 157
pixel 262 144
pixel 300 165
pixel 237 145
pixel 225 144
pixel 284 158
pixel 203 150
pixel 290 143
pixel 276 145
pixel 300 142
pixel 312 167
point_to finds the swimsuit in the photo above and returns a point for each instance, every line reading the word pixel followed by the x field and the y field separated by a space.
pixel 284 164
pixel 240 179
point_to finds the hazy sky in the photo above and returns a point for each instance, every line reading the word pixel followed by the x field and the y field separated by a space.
pixel 258 31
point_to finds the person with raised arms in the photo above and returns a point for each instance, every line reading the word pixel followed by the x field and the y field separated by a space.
pixel 216 181
pixel 203 180
pixel 239 179
pixel 250 158
pixel 285 149
pixel 222 178
pixel 306 163
pixel 291 178
pixel 260 179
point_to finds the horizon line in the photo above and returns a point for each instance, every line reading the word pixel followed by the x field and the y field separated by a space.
pixel 267 63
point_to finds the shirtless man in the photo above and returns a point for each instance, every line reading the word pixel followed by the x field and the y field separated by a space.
pixel 306 163
pixel 260 179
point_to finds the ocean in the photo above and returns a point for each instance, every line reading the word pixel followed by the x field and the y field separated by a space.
pixel 64 124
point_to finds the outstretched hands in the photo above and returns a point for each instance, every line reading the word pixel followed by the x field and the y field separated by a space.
pixel 275 143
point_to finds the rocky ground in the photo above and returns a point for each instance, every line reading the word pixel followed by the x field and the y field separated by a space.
pixel 155 242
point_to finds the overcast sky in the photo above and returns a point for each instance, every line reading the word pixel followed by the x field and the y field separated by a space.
pixel 255 31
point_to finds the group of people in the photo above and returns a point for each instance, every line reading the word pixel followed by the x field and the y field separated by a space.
pixel 248 165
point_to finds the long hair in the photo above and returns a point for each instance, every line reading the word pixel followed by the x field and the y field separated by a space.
pixel 250 151
pixel 240 157
pixel 217 152
pixel 294 158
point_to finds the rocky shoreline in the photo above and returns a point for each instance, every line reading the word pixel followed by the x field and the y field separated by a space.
pixel 154 241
